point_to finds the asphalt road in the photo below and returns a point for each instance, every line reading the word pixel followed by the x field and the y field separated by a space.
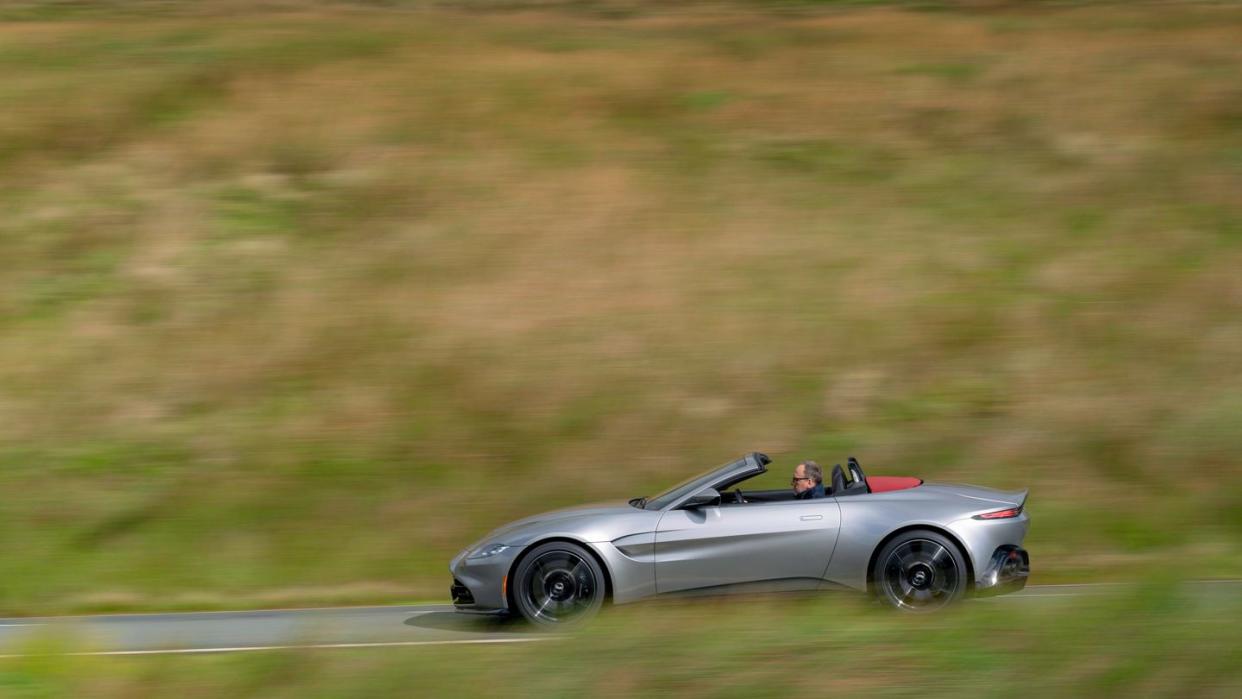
pixel 357 627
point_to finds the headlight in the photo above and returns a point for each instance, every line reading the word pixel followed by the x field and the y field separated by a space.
pixel 488 551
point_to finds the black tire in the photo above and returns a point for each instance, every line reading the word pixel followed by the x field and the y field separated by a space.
pixel 919 571
pixel 558 584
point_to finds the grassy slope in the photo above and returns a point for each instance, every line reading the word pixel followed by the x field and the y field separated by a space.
pixel 294 306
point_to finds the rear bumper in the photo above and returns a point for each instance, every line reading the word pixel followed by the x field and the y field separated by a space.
pixel 1006 572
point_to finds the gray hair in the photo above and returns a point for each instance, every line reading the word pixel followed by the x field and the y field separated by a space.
pixel 813 471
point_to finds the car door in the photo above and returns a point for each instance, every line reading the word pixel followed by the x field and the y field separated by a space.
pixel 733 544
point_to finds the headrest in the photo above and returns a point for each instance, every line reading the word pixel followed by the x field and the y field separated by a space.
pixel 838 479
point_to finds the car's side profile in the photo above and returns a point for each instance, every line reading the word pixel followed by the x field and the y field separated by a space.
pixel 915 545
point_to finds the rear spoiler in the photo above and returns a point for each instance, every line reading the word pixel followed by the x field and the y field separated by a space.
pixel 1016 499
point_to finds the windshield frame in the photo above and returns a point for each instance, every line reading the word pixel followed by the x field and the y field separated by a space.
pixel 720 476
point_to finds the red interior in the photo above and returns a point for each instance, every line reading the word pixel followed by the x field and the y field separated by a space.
pixel 883 484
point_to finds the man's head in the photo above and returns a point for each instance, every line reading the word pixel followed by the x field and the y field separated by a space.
pixel 806 476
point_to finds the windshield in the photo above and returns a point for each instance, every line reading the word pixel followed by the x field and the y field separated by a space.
pixel 659 502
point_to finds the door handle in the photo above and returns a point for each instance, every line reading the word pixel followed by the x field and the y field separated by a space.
pixel 808 518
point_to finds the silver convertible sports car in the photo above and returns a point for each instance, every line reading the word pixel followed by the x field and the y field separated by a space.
pixel 917 546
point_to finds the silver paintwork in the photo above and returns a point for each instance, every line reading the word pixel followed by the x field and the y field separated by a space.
pixel 796 544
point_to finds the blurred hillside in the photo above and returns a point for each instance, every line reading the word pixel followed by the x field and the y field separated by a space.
pixel 297 302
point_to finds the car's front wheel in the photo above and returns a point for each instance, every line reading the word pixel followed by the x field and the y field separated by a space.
pixel 558 583
pixel 919 571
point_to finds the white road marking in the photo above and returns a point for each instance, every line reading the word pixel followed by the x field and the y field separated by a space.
pixel 234 649
pixel 420 607
pixel 121 617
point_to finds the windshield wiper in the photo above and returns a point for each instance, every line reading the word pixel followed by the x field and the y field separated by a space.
pixel 640 503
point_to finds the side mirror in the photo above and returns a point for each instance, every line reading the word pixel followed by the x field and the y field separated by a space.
pixel 703 498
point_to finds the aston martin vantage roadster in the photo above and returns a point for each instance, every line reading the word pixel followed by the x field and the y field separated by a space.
pixel 914 545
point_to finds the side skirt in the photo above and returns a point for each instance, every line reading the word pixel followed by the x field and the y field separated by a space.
pixel 750 588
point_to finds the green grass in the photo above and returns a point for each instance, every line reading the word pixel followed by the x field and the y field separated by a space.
pixel 1155 640
pixel 295 304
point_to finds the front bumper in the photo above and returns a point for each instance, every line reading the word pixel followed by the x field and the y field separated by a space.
pixel 478 584
pixel 1006 572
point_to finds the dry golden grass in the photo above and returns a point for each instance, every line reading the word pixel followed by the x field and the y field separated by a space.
pixel 303 302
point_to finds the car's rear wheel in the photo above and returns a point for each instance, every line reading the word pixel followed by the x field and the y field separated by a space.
pixel 919 571
pixel 558 583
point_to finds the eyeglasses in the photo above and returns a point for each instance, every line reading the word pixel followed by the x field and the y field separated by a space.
pixel 795 479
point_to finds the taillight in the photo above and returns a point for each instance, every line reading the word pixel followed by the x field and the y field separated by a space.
pixel 1000 514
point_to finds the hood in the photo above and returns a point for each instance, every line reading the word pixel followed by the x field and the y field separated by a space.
pixel 596 522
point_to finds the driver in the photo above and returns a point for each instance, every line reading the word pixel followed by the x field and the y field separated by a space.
pixel 808 481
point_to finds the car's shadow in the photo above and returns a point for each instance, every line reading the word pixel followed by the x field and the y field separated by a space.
pixel 468 623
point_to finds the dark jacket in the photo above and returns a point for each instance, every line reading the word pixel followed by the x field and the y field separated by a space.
pixel 811 494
